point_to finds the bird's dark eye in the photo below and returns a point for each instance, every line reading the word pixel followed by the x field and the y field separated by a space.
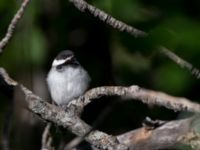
pixel 59 67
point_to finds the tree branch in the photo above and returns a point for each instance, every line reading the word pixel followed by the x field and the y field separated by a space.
pixel 136 93
pixel 121 26
pixel 70 120
pixel 46 138
pixel 168 136
pixel 181 62
pixel 12 25
pixel 66 119
pixel 82 5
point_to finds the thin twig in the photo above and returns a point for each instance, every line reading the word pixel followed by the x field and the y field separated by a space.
pixel 46 138
pixel 117 24
pixel 181 62
pixel 12 25
pixel 121 26
pixel 77 140
pixel 73 143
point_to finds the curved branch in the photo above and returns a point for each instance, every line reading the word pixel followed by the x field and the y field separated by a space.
pixel 65 119
pixel 172 133
pixel 137 93
pixel 70 121
pixel 12 25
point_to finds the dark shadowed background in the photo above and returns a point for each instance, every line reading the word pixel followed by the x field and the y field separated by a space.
pixel 110 57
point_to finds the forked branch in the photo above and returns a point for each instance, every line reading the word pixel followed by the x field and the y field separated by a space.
pixel 69 119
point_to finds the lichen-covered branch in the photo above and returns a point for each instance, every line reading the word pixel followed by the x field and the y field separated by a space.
pixel 168 136
pixel 70 121
pixel 65 119
pixel 117 24
pixel 12 25
pixel 137 93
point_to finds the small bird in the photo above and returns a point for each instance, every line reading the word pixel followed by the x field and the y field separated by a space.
pixel 67 79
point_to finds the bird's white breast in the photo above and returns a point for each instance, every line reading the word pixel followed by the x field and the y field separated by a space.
pixel 68 84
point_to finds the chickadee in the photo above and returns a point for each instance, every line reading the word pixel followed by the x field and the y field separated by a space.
pixel 67 79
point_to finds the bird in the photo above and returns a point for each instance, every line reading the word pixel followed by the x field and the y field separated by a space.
pixel 67 79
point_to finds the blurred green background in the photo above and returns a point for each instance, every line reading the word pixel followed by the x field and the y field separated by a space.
pixel 111 58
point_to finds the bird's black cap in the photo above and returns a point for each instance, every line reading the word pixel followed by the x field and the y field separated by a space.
pixel 64 54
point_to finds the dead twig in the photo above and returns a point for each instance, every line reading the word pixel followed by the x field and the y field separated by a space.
pixel 83 6
pixel 180 61
pixel 117 24
pixel 46 138
pixel 12 25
